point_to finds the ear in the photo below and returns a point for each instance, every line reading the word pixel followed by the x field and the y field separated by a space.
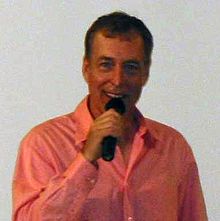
pixel 86 68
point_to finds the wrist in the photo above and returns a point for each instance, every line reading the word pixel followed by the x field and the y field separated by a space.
pixel 90 159
pixel 87 156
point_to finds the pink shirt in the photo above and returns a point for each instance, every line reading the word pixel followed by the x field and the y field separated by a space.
pixel 53 181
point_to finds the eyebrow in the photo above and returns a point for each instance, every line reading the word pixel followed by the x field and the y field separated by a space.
pixel 105 58
pixel 133 61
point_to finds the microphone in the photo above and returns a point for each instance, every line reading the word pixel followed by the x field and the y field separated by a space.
pixel 109 142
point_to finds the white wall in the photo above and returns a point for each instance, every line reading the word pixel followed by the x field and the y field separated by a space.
pixel 41 48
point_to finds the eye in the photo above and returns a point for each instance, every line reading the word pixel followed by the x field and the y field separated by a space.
pixel 131 68
pixel 106 65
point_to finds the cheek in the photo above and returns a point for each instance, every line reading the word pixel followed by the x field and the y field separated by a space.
pixel 135 85
pixel 94 83
pixel 135 92
pixel 98 80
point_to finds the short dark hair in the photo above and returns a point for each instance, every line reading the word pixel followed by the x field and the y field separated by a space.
pixel 119 23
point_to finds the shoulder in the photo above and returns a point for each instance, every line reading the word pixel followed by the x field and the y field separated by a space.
pixel 169 140
pixel 55 124
pixel 58 123
pixel 50 131
pixel 162 131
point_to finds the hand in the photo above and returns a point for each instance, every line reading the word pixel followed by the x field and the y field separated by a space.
pixel 110 123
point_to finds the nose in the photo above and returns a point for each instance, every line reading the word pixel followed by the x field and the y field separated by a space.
pixel 117 76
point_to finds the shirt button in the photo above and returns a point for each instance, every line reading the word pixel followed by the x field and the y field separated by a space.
pixel 92 181
pixel 130 218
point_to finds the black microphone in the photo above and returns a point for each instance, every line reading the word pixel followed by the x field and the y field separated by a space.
pixel 109 142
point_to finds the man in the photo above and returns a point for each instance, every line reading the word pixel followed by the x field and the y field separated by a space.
pixel 60 174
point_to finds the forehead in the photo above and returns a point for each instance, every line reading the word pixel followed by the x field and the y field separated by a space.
pixel 129 44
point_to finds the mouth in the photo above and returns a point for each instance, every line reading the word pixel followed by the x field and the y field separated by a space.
pixel 115 95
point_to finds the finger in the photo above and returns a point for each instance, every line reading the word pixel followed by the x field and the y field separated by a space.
pixel 109 117
pixel 110 112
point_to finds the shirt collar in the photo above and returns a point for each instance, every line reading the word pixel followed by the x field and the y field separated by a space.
pixel 145 127
pixel 84 120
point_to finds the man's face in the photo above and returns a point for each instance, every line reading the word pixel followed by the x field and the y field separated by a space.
pixel 116 68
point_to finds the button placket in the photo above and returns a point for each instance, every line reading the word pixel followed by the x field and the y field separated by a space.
pixel 91 180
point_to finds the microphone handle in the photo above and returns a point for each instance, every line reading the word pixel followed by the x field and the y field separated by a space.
pixel 108 148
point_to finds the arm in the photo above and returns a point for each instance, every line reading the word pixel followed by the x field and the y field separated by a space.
pixel 191 200
pixel 41 193
pixel 41 189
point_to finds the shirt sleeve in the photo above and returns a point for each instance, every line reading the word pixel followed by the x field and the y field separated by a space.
pixel 40 193
pixel 191 200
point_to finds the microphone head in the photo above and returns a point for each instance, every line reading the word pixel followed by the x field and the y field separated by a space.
pixel 117 104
